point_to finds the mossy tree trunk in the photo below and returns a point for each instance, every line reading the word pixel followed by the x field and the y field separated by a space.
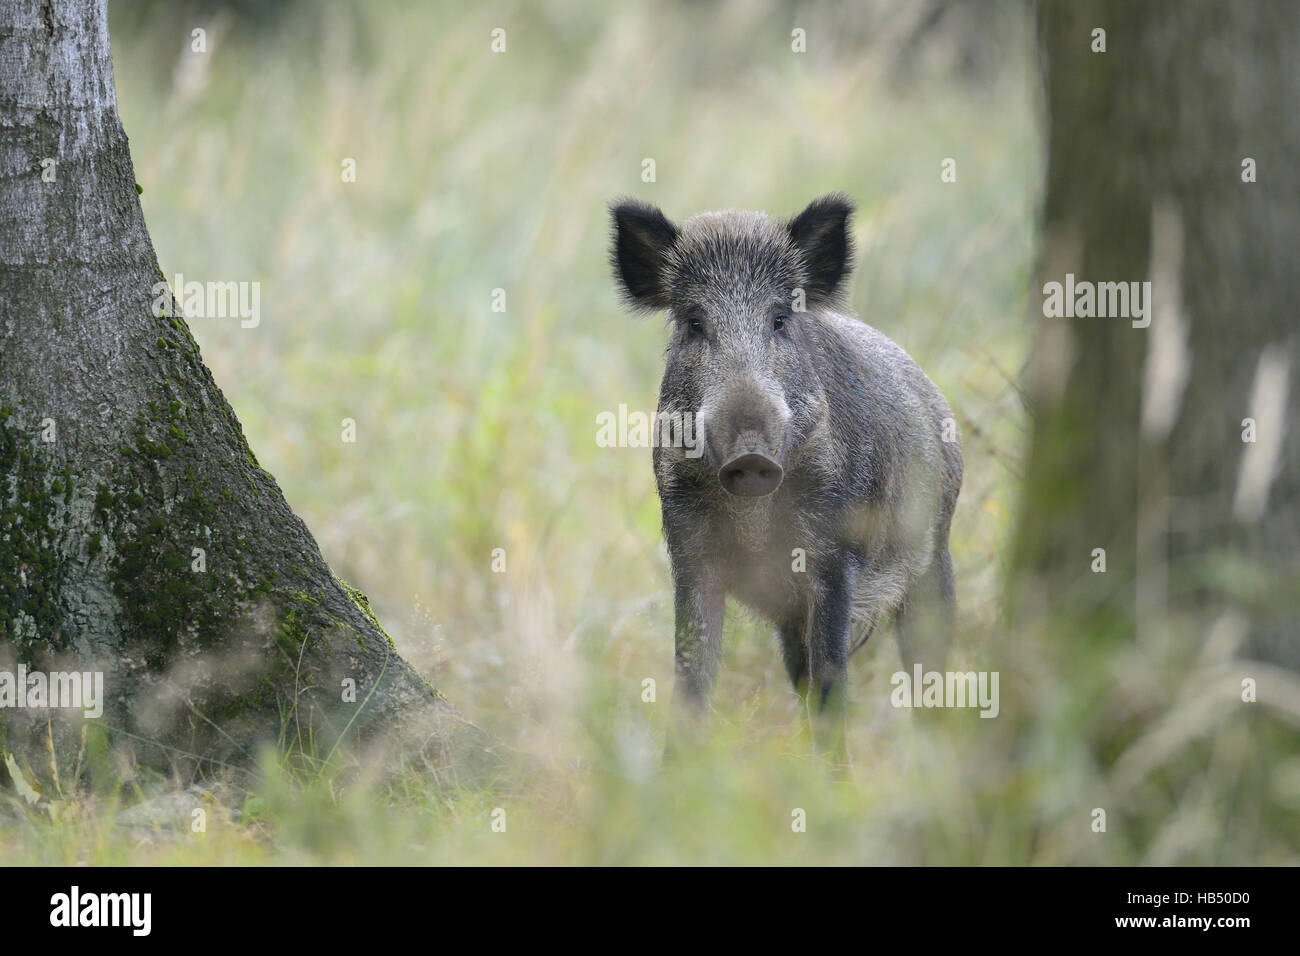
pixel 139 537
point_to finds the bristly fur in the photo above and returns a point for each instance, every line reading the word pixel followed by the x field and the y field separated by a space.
pixel 727 255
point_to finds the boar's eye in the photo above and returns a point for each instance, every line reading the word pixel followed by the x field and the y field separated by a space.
pixel 778 322
pixel 695 324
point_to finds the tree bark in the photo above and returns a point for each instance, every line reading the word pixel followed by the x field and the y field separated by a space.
pixel 1137 443
pixel 120 457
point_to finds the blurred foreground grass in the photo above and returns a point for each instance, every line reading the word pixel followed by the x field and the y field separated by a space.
pixel 476 429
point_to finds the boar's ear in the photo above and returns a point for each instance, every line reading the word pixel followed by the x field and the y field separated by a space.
pixel 821 232
pixel 642 235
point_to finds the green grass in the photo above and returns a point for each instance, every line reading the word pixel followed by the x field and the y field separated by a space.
pixel 476 430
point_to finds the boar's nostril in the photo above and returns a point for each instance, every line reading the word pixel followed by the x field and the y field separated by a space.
pixel 750 476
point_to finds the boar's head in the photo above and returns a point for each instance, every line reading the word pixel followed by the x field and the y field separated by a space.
pixel 742 291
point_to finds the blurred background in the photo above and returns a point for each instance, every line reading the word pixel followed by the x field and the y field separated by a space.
pixel 475 429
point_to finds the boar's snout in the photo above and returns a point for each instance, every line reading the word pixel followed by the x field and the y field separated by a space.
pixel 751 475
pixel 745 437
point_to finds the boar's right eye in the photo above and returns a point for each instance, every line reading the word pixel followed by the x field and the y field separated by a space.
pixel 696 325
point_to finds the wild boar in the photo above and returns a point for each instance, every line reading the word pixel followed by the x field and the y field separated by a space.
pixel 831 462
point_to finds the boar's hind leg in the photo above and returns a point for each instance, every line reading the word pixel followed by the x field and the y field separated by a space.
pixel 925 620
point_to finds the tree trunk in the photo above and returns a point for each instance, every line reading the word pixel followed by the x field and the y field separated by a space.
pixel 1138 440
pixel 1170 698
pixel 139 537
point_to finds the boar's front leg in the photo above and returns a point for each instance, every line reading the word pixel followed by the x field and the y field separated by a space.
pixel 794 651
pixel 699 609
pixel 830 623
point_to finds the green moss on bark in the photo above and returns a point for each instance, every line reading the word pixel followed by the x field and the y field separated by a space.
pixel 31 574
pixel 363 605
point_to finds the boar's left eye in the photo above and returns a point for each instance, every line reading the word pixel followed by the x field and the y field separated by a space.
pixel 778 322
